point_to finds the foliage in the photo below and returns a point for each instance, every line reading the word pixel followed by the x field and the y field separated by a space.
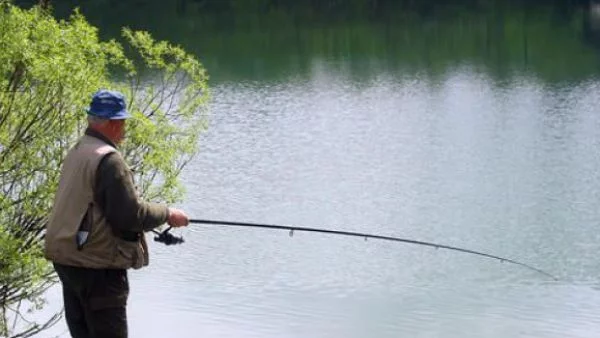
pixel 48 71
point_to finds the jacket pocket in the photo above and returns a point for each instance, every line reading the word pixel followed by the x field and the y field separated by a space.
pixel 130 254
pixel 85 227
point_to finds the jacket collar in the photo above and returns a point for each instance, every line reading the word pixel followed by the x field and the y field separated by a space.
pixel 93 133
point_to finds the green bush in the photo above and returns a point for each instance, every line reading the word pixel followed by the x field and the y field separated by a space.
pixel 48 71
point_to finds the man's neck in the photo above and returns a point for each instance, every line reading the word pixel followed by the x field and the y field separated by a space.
pixel 99 134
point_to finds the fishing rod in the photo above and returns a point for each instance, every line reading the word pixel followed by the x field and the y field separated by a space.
pixel 169 239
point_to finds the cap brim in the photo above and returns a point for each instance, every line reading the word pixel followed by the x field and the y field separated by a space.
pixel 121 115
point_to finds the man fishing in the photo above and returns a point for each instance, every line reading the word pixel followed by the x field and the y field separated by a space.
pixel 96 229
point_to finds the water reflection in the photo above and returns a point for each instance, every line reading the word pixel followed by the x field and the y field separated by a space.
pixel 275 40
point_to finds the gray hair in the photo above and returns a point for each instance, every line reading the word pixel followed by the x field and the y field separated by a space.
pixel 95 120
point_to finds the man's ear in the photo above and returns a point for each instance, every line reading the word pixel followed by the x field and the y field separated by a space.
pixel 113 124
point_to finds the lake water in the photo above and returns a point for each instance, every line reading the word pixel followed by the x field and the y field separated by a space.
pixel 477 128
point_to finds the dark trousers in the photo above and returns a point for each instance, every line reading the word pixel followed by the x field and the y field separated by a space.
pixel 95 301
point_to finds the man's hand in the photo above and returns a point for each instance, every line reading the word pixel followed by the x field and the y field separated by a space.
pixel 177 218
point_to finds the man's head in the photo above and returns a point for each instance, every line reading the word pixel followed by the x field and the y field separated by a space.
pixel 107 114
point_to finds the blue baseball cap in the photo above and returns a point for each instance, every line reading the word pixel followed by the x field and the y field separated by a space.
pixel 108 104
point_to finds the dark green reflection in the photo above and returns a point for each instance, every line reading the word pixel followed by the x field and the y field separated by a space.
pixel 273 39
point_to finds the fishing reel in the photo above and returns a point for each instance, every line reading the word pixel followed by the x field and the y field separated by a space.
pixel 167 238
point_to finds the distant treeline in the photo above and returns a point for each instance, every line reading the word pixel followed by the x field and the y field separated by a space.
pixel 317 9
pixel 337 7
pixel 244 39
